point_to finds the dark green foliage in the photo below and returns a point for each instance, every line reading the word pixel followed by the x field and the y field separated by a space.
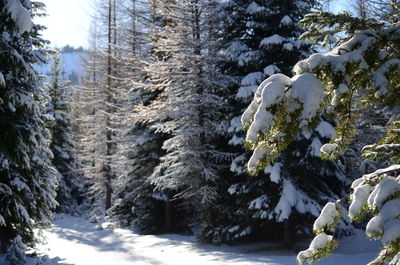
pixel 252 53
pixel 27 180
pixel 64 160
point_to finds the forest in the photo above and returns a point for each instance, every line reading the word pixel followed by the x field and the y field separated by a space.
pixel 234 121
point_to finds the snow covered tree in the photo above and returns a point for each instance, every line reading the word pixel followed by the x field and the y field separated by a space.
pixel 103 99
pixel 16 252
pixel 367 61
pixel 64 160
pixel 27 180
pixel 186 108
pixel 136 203
pixel 261 38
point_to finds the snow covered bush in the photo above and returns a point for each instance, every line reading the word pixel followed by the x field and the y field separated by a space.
pixel 363 68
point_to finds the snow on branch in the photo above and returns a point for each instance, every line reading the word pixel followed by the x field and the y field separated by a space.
pixel 20 15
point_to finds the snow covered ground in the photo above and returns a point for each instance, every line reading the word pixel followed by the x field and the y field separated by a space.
pixel 75 241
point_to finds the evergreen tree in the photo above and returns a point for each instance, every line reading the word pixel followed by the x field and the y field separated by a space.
pixel 261 38
pixel 27 180
pixel 365 62
pixel 136 203
pixel 64 160
pixel 186 108
pixel 16 252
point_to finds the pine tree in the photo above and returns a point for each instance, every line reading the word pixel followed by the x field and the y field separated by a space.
pixel 27 180
pixel 58 108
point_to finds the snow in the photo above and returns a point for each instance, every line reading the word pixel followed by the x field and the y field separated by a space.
pixel 236 140
pixel 386 188
pixel 11 107
pixel 359 199
pixel 286 20
pixel 274 172
pixel 260 202
pixel 143 138
pixel 319 242
pixel 389 211
pixel 270 92
pixel 254 8
pixel 309 91
pixel 315 147
pixel 235 49
pixel 392 232
pixel 271 69
pixel 249 84
pixel 2 80
pixel 263 120
pixel 380 80
pixel 252 79
pixel 237 164
pixel 20 185
pixel 325 130
pixel 293 198
pixel 327 217
pixel 257 155
pixel 288 46
pixel 272 40
pixel 75 241
pixel 328 148
pixel 235 125
pixel 2 221
pixel 337 94
pixel 20 15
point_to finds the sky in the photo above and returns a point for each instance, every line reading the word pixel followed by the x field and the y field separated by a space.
pixel 68 22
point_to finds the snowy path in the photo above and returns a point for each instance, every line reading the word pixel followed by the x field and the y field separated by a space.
pixel 74 241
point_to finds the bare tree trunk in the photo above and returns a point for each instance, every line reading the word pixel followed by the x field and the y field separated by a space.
pixel 107 167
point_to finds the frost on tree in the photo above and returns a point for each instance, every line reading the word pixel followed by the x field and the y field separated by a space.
pixel 366 64
pixel 58 106
pixel 262 39
pixel 27 180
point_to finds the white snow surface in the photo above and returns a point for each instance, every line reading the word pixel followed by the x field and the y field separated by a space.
pixel 75 241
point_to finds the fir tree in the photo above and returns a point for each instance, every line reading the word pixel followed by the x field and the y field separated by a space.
pixel 261 38
pixel 64 160
pixel 16 252
pixel 186 108
pixel 330 84
pixel 27 180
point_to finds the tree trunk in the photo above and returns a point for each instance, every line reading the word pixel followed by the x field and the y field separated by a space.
pixel 168 223
pixel 287 239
